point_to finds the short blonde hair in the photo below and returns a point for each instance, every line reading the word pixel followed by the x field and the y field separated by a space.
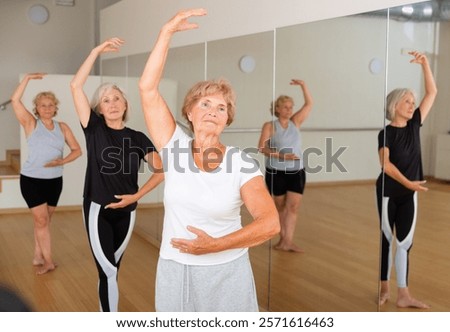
pixel 280 101
pixel 101 90
pixel 45 94
pixel 208 88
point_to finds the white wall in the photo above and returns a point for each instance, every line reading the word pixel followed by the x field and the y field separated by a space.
pixel 138 21
pixel 56 47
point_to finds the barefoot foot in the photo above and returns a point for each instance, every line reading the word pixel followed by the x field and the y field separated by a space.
pixel 38 261
pixel 409 302
pixel 288 247
pixel 46 268
pixel 384 297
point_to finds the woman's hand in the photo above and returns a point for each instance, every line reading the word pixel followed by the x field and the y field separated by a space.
pixel 110 45
pixel 419 58
pixel 125 200
pixel 54 163
pixel 430 85
pixel 202 244
pixel 297 82
pixel 302 114
pixel 180 21
pixel 288 156
pixel 417 186
pixel 34 76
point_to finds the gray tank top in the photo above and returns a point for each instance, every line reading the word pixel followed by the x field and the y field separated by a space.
pixel 44 146
pixel 286 140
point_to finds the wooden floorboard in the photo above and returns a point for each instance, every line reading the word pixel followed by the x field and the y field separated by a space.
pixel 337 227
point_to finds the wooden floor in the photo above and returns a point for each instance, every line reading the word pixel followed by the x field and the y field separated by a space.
pixel 337 226
pixel 73 285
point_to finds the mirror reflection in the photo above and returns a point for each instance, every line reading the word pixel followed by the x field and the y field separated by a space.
pixel 336 224
pixel 416 282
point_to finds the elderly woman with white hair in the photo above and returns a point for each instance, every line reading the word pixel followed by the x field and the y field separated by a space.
pixel 204 263
pixel 111 191
pixel 400 180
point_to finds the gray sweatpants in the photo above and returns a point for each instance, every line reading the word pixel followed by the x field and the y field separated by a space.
pixel 211 288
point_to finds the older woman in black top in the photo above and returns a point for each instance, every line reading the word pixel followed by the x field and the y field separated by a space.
pixel 401 162
pixel 111 189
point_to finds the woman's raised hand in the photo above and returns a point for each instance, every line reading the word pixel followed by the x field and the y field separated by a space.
pixel 180 21
pixel 419 58
pixel 297 82
pixel 35 76
pixel 110 45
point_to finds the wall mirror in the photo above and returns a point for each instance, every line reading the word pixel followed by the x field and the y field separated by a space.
pixel 337 224
pixel 425 27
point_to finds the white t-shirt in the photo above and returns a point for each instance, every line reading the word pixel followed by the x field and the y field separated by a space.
pixel 210 201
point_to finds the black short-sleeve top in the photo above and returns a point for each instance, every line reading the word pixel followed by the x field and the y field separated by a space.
pixel 404 152
pixel 113 161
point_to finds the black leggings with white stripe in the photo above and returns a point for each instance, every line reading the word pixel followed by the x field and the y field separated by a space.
pixel 398 221
pixel 109 232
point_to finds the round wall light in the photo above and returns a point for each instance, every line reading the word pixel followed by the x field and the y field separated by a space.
pixel 38 14
pixel 247 64
pixel 375 66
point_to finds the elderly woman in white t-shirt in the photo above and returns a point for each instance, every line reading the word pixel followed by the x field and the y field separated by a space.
pixel 204 264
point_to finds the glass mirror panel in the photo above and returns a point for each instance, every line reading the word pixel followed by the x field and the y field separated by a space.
pixel 342 62
pixel 425 27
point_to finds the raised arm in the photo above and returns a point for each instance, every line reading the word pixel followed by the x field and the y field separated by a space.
pixel 159 120
pixel 80 99
pixel 26 119
pixel 391 170
pixel 430 85
pixel 300 116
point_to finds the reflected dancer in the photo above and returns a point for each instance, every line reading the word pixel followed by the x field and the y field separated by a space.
pixel 401 162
